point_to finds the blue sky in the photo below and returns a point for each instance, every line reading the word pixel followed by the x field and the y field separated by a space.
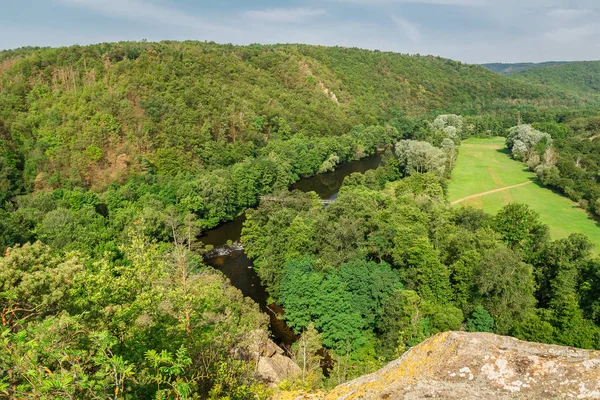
pixel 473 31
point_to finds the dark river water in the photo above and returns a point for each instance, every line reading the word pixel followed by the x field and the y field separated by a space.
pixel 232 261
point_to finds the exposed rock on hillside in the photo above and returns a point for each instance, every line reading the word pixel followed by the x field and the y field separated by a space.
pixel 271 363
pixel 459 365
pixel 276 368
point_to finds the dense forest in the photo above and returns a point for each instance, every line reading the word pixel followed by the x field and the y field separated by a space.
pixel 581 77
pixel 88 116
pixel 114 158
pixel 508 69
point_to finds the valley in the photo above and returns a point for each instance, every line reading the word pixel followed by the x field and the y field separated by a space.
pixel 169 210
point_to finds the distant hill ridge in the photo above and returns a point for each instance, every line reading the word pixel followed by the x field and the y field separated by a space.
pixel 513 68
pixel 582 77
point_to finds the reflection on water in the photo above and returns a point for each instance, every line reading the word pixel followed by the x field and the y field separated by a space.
pixel 232 261
pixel 327 185
pixel 229 231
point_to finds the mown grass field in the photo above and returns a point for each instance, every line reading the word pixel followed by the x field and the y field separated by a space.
pixel 485 165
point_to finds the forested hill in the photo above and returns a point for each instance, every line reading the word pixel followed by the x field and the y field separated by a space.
pixel 582 77
pixel 508 69
pixel 96 114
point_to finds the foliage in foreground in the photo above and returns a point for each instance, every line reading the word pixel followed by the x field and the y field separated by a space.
pixel 154 324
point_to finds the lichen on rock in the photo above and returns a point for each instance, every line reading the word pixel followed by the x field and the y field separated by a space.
pixel 460 365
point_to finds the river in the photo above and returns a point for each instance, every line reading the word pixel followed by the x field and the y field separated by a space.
pixel 232 261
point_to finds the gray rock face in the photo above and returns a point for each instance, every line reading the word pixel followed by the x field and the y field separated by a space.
pixel 460 365
pixel 277 368
pixel 257 344
pixel 272 365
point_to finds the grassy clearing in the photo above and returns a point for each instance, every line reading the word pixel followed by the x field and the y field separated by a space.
pixel 484 165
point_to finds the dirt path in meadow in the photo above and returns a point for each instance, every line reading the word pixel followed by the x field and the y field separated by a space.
pixel 490 192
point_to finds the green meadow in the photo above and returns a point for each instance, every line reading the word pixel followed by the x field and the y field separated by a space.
pixel 485 165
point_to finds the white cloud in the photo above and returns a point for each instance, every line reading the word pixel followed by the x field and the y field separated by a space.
pixel 568 13
pixel 410 29
pixel 466 3
pixel 285 15
pixel 15 36
pixel 141 10
pixel 477 30
pixel 573 34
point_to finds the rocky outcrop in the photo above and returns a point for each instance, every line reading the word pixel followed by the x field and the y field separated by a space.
pixel 257 344
pixel 276 368
pixel 272 365
pixel 459 365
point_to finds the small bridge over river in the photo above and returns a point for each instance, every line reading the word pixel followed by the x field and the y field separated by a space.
pixel 274 198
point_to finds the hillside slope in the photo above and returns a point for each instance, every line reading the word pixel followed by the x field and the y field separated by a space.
pixel 92 115
pixel 459 365
pixel 507 69
pixel 582 77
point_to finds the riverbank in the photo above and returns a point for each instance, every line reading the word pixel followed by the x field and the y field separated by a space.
pixel 229 257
